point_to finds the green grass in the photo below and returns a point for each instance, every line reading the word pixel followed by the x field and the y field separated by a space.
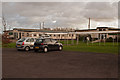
pixel 97 49
pixel 0 43
pixel 108 47
pixel 102 47
pixel 9 45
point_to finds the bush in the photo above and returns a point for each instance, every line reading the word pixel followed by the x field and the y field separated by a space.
pixel 5 40
pixel 110 39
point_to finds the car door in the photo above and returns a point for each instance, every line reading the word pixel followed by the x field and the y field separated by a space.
pixel 49 44
pixel 55 45
pixel 27 42
pixel 32 40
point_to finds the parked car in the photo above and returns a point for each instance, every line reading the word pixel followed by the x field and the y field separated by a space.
pixel 26 43
pixel 47 44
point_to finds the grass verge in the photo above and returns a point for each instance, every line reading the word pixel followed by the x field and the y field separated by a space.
pixel 9 45
pixel 107 47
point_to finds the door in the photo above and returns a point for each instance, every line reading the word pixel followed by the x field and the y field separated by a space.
pixel 32 40
pixel 27 42
pixel 55 44
pixel 19 35
pixel 49 44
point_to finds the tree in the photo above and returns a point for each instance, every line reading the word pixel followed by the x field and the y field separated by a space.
pixel 5 35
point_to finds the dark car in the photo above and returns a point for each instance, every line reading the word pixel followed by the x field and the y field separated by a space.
pixel 47 44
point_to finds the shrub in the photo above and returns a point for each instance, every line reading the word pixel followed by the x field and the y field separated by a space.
pixel 5 39
pixel 110 39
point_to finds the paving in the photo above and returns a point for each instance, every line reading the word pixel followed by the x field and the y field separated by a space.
pixel 58 64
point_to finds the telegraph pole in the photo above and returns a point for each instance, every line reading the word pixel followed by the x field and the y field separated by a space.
pixel 43 25
pixel 89 24
pixel 40 25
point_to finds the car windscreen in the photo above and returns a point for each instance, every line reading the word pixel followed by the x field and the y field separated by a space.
pixel 21 40
pixel 39 40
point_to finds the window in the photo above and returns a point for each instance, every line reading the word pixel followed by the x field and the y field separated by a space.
pixel 22 34
pixel 39 40
pixel 28 40
pixel 10 33
pixel 54 35
pixel 72 35
pixel 105 35
pixel 53 40
pixel 47 40
pixel 32 40
pixel 35 35
pixel 100 29
pixel 27 34
pixel 40 35
pixel 15 35
pixel 104 29
pixel 35 38
pixel 69 35
pixel 21 40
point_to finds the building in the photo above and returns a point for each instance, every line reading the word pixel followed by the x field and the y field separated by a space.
pixel 20 33
pixel 100 32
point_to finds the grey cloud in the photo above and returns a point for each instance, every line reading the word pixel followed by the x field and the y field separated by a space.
pixel 65 13
pixel 101 11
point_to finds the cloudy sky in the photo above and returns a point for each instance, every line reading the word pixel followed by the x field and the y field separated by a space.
pixel 60 14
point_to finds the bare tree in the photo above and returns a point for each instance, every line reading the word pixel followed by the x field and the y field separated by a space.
pixel 5 35
pixel 4 23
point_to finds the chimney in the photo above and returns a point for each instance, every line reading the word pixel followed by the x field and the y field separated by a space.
pixel 40 25
pixel 43 25
pixel 89 24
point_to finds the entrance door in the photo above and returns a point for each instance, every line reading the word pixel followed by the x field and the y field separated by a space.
pixel 19 35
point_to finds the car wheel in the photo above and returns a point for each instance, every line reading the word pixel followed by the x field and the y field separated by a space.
pixel 27 48
pixel 45 50
pixel 60 48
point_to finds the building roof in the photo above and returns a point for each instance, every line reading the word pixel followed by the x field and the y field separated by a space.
pixel 95 32
pixel 85 30
pixel 88 30
pixel 102 27
pixel 37 30
pixel 110 28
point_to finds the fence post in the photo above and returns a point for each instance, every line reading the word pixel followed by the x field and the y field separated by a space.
pixel 99 39
pixel 87 40
pixel 104 39
pixel 77 39
pixel 113 40
pixel 67 38
pixel 117 38
pixel 59 37
pixel 92 39
pixel 72 39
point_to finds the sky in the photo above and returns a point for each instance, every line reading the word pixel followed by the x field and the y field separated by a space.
pixel 60 14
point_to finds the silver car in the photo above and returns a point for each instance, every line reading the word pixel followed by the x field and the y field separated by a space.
pixel 26 43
